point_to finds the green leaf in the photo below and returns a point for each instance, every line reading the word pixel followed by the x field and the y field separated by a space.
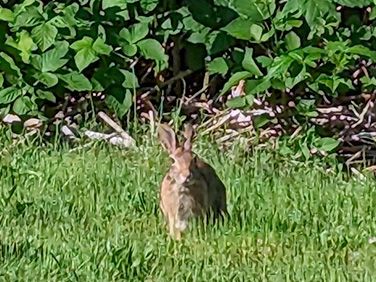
pixel 152 49
pixel 279 84
pixel 27 17
pixel 199 37
pixel 290 82
pixel 316 12
pixel 24 44
pixel 218 65
pixel 23 105
pixel 332 82
pixel 4 110
pixel 314 51
pixel 249 64
pixel 26 3
pixel 264 61
pixel 287 25
pixel 306 107
pixel 260 121
pixel 174 25
pixel 292 41
pixel 237 102
pixel 46 95
pixel 48 79
pixel 87 51
pixel 67 21
pixel 372 14
pixel 218 42
pixel 316 8
pixel 353 4
pixel 267 36
pixel 51 60
pixel 255 86
pixel 279 66
pixel 120 105
pixel 84 58
pixel 327 144
pixel 139 31
pixel 362 51
pixel 59 22
pixel 336 47
pixel 130 80
pixel 44 35
pixel 256 32
pixel 76 81
pixel 239 28
pixel 248 8
pixel 1 79
pixel 6 15
pixel 85 42
pixel 85 55
pixel 148 5
pixel 8 65
pixel 129 49
pixel 124 15
pixel 234 79
pixel 9 94
pixel 135 32
pixel 121 4
pixel 97 86
pixel 100 47
pixel 368 82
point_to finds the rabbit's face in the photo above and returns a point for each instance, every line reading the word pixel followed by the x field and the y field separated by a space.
pixel 183 168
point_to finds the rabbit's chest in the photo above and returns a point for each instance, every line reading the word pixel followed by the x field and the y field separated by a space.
pixel 191 201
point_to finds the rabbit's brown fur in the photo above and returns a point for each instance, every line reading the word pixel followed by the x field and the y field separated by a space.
pixel 191 187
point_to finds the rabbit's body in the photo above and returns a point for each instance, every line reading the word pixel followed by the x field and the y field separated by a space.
pixel 216 188
pixel 179 203
pixel 191 188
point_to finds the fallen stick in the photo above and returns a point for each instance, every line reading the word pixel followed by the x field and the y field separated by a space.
pixel 361 116
pixel 112 138
pixel 68 132
pixel 219 123
pixel 338 109
pixel 213 119
pixel 357 173
pixel 117 128
pixel 353 157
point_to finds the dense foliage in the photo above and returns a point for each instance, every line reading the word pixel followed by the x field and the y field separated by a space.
pixel 301 48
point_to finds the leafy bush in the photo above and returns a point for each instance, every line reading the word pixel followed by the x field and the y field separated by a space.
pixel 58 48
pixel 303 48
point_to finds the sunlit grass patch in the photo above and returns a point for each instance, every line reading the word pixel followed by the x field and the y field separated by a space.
pixel 92 215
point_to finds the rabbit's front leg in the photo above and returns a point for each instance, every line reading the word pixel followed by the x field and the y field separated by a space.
pixel 178 222
pixel 179 227
pixel 173 230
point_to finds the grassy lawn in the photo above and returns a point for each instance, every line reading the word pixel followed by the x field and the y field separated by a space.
pixel 92 215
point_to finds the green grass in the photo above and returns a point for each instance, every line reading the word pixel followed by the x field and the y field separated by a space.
pixel 92 215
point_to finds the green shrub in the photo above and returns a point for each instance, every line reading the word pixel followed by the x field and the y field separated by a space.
pixel 50 49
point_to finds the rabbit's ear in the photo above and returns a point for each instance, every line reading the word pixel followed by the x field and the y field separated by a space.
pixel 188 135
pixel 167 138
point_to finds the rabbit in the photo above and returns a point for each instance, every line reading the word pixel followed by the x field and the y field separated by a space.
pixel 191 187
